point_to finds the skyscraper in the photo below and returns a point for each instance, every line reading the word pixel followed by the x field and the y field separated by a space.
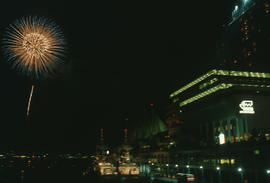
pixel 245 40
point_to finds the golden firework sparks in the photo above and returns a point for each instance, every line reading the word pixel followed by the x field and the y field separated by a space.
pixel 34 45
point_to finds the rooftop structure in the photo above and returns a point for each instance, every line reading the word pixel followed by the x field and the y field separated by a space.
pixel 218 80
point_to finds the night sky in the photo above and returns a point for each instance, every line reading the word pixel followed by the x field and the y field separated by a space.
pixel 122 56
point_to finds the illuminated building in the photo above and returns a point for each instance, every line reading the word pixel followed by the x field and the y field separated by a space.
pixel 245 39
pixel 226 117
pixel 233 103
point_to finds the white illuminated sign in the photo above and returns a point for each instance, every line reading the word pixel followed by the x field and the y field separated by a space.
pixel 221 138
pixel 247 107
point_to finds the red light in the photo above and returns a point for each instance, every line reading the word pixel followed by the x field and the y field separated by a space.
pixel 151 105
pixel 125 130
pixel 101 129
pixel 126 119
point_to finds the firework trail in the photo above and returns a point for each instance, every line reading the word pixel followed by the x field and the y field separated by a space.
pixel 29 100
pixel 34 46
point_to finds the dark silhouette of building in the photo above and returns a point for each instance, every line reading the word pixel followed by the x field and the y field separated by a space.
pixel 245 40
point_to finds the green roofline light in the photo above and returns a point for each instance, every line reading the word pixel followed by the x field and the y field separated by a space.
pixel 203 77
pixel 205 93
pixel 206 84
pixel 215 89
pixel 221 73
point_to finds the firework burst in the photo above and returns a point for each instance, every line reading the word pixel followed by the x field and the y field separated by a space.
pixel 34 46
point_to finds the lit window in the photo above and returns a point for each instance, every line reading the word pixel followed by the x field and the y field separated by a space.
pixel 256 151
pixel 222 161
pixel 267 136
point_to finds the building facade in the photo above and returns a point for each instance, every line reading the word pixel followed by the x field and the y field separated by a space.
pixel 226 105
pixel 227 113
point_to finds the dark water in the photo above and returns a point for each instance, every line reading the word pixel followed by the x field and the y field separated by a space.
pixel 54 170
pixel 56 175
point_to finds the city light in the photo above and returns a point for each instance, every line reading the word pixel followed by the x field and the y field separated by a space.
pixel 221 138
pixel 239 169
pixel 187 166
pixel 167 164
pixel 176 165
pixel 268 171
pixel 201 167
pixel 256 152
pixel 236 8
pixel 107 152
pixel 218 168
